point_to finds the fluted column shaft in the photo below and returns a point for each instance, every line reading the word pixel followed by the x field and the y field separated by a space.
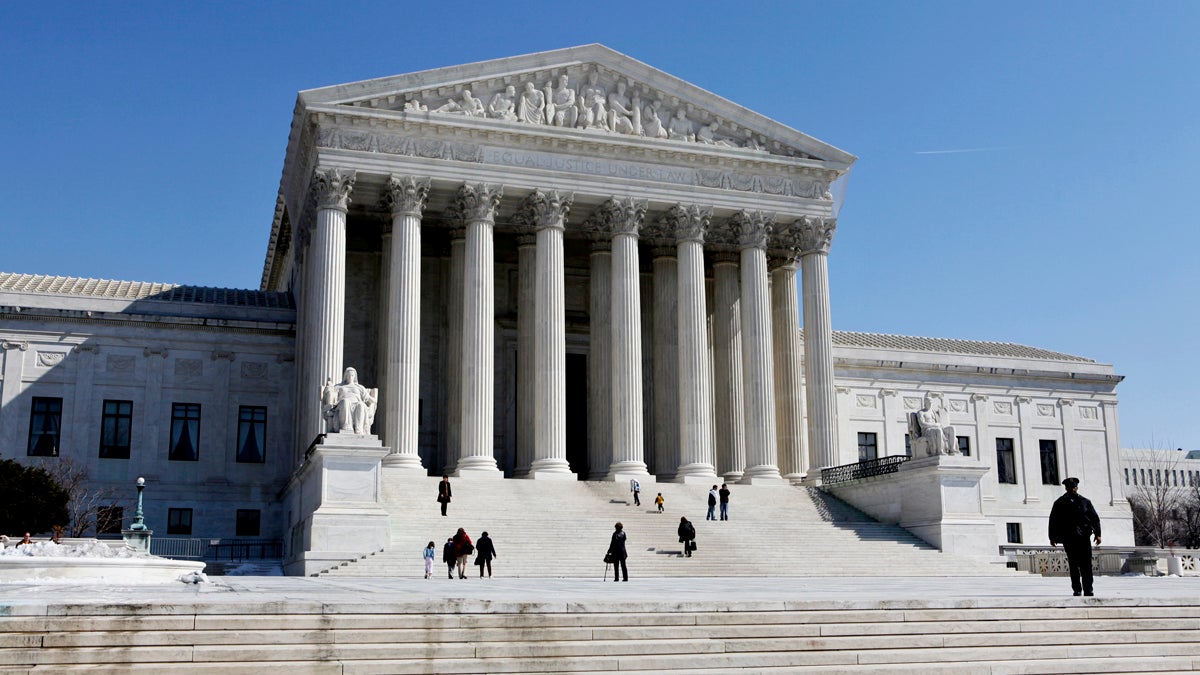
pixel 727 365
pixel 454 348
pixel 785 301
pixel 600 423
pixel 327 293
pixel 625 218
pixel 817 237
pixel 695 383
pixel 526 325
pixel 665 336
pixel 477 206
pixel 761 450
pixel 403 365
pixel 547 213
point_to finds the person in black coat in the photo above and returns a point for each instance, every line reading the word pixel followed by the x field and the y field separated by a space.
pixel 444 493
pixel 616 551
pixel 1072 521
pixel 485 550
pixel 687 535
pixel 448 556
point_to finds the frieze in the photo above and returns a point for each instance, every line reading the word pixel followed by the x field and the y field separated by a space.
pixel 337 138
pixel 188 367
pixel 958 405
pixel 865 401
pixel 1089 412
pixel 254 370
pixel 118 363
pixel 1045 410
pixel 1002 407
pixel 912 403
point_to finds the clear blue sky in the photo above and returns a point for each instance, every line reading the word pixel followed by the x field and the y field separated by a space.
pixel 1027 170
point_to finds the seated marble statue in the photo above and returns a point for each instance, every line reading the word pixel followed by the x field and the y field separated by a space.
pixel 349 407
pixel 592 99
pixel 930 431
pixel 681 128
pixel 504 105
pixel 531 109
pixel 560 104
pixel 652 125
pixel 621 111
pixel 468 105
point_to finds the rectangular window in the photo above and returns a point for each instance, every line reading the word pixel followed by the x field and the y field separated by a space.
pixel 179 521
pixel 185 432
pixel 1049 452
pixel 1014 532
pixel 1006 466
pixel 1127 476
pixel 867 448
pixel 907 445
pixel 109 519
pixel 45 426
pixel 116 426
pixel 247 523
pixel 964 445
pixel 252 434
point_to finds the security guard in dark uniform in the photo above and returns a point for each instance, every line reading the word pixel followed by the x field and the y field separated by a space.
pixel 1072 521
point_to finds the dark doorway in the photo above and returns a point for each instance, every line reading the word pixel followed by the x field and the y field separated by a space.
pixel 577 407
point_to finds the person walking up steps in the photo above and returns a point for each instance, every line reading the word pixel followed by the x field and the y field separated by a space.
pixel 636 488
pixel 712 504
pixel 444 493
pixel 659 501
pixel 724 495
pixel 485 551
pixel 429 554
pixel 448 556
pixel 687 536
pixel 463 548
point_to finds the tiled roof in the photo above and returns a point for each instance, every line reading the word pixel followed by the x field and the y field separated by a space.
pixel 141 290
pixel 927 344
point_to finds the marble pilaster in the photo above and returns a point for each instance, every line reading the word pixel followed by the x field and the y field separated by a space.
pixel 624 220
pixel 406 196
pixel 327 294
pixel 547 213
pixel 815 238
pixel 753 229
pixel 600 423
pixel 689 225
pixel 730 420
pixel 476 206
pixel 789 395
pixel 665 347
pixel 526 327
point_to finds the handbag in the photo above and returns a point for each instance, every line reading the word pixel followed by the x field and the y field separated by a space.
pixel 608 558
pixel 692 544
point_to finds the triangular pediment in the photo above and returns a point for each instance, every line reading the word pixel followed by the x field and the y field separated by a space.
pixel 589 89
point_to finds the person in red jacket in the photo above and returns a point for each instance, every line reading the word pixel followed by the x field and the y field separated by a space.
pixel 463 548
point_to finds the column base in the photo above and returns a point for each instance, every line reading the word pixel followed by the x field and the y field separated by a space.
pixel 696 474
pixel 732 476
pixel 762 474
pixel 550 469
pixel 404 463
pixel 483 467
pixel 623 471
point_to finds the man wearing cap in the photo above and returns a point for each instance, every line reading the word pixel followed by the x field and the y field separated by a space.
pixel 1072 521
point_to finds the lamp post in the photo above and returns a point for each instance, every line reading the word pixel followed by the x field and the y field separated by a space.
pixel 137 537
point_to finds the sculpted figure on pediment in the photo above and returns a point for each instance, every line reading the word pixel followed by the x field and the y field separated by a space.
pixel 466 104
pixel 681 128
pixel 413 105
pixel 652 125
pixel 531 109
pixel 561 110
pixel 622 111
pixel 503 105
pixel 591 104
pixel 707 134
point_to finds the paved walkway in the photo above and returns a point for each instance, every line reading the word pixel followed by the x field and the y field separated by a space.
pixel 261 594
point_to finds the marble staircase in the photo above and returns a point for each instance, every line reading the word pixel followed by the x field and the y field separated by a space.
pixel 225 635
pixel 548 528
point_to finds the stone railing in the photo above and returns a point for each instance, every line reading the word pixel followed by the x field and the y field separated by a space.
pixel 1112 560
pixel 864 469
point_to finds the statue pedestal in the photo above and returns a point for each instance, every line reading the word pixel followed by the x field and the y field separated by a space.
pixel 138 540
pixel 936 498
pixel 334 505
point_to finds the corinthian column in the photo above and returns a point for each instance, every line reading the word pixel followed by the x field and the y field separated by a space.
pixel 785 312
pixel 526 328
pixel 547 212
pixel 326 301
pixel 454 350
pixel 753 228
pixel 665 362
pixel 406 199
pixel 624 220
pixel 695 386
pixel 600 423
pixel 815 236
pixel 729 402
pixel 476 206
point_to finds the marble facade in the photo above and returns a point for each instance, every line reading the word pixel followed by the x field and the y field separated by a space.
pixel 565 265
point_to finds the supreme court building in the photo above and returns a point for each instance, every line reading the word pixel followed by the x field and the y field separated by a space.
pixel 564 265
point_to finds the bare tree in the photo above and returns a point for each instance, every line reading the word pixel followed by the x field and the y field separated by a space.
pixel 89 507
pixel 1157 497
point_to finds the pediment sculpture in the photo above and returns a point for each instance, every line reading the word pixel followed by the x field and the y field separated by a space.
pixel 348 407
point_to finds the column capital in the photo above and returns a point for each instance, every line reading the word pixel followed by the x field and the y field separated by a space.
pixel 477 203
pixel 753 228
pixel 525 239
pixel 622 216
pixel 979 397
pixel 405 195
pixel 332 188
pixel 687 223
pixel 8 344
pixel 1065 402
pixel 814 235
pixel 544 209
